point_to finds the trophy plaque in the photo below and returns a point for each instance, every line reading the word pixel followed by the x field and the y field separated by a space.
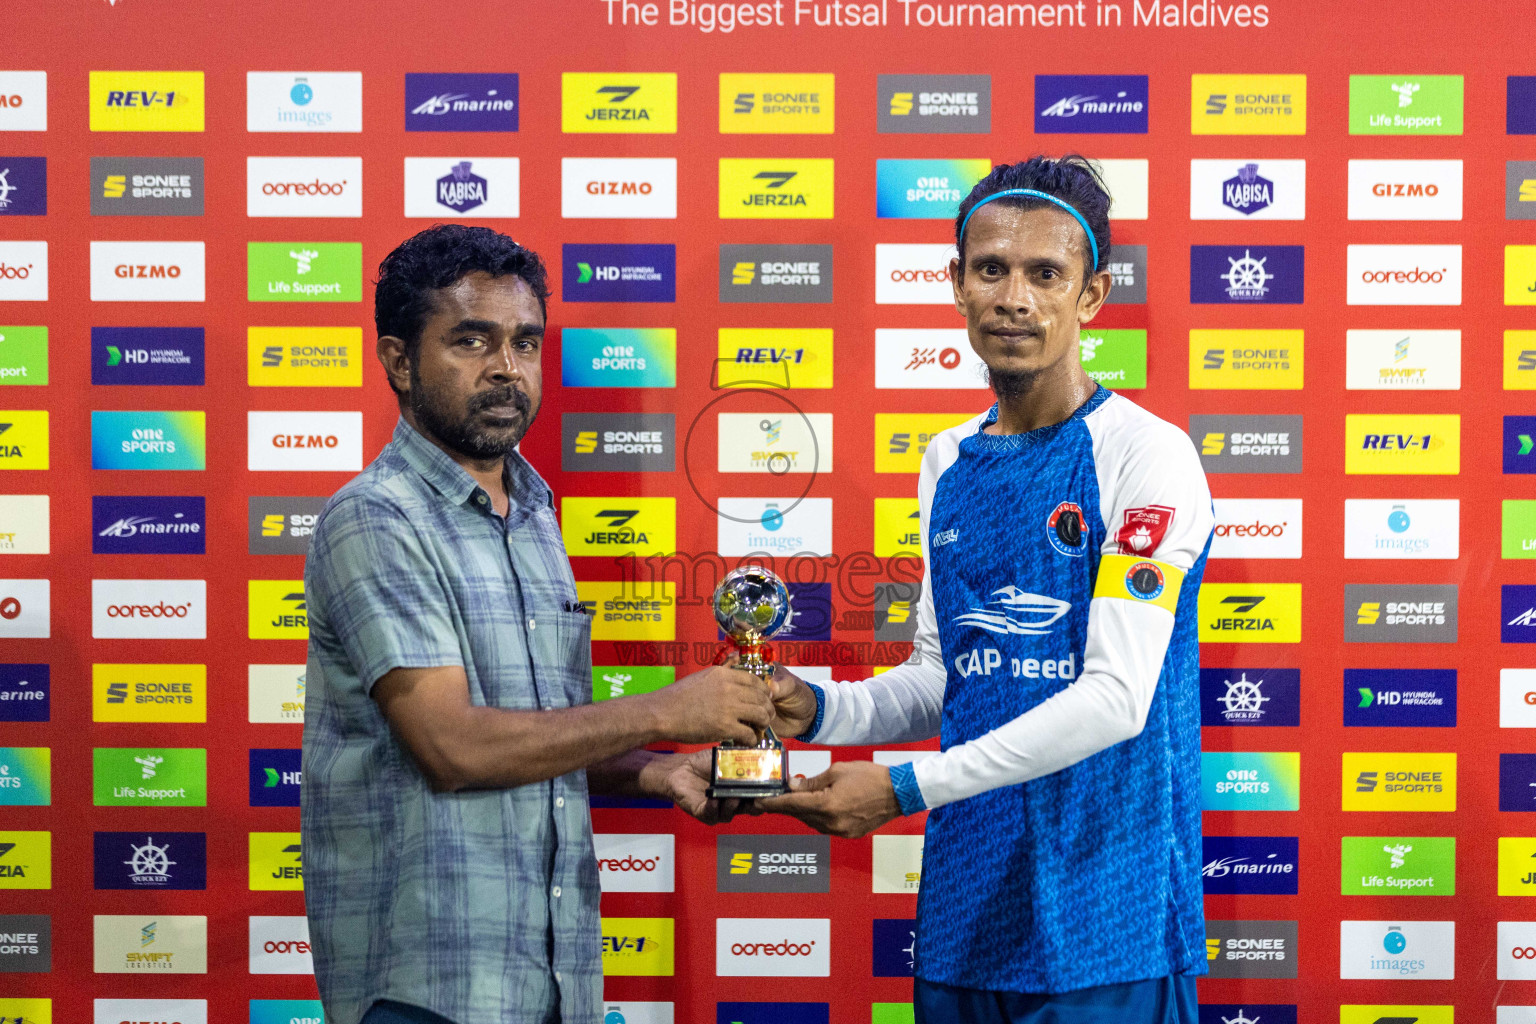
pixel 751 605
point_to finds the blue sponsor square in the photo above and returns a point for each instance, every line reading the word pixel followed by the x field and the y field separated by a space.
pixel 1517 614
pixel 1413 697
pixel 143 524
pixel 25 694
pixel 1247 1013
pixel 286 1011
pixel 1517 782
pixel 773 1013
pixel 630 803
pixel 1520 444
pixel 151 860
pixel 1247 274
pixel 810 613
pixel 894 943
pixel 23 186
pixel 147 355
pixel 275 778
pixel 1091 104
pixel 1520 112
pixel 1250 865
pixel 461 102
pixel 1250 696
pixel 618 273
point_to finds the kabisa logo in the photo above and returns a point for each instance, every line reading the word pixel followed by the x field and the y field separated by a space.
pixel 1250 613
pixel 276 861
pixel 1253 189
pixel 276 610
pixel 282 526
pixel 147 355
pixel 23 186
pixel 800 104
pixel 1401 613
pixel 775 273
pixel 461 189
pixel 148 440
pixel 1519 444
pixel 156 777
pixel 1399 782
pixel 1517 604
pixel 773 863
pixel 1252 273
pixel 24 692
pixel 798 188
pixel 1248 192
pixel 1418 529
pixel 618 273
pixel 1397 950
pixel 26 860
pixel 1250 781
pixel 1403 275
pixel 160 860
pixel 23 101
pixel 1078 104
pixel 635 862
pixel 298 441
pixel 1250 696
pixel 641 946
pixel 1400 865
pixel 149 609
pixel 925 189
pixel 149 693
pixel 1405 189
pixel 1408 697
pixel 142 524
pixel 602 526
pixel 1251 949
pixel 146 101
pixel 937 104
pixel 1248 104
pixel 1405 105
pixel 147 272
pixel 305 101
pixel 618 188
pixel 615 357
pixel 773 947
pixel 481 187
pixel 297 186
pixel 275 778
pixel 1248 865
pixel 23 271
pixel 622 102
pixel 464 102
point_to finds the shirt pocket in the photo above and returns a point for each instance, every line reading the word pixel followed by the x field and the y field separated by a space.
pixel 562 644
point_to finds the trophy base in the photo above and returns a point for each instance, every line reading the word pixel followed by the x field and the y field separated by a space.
pixel 745 773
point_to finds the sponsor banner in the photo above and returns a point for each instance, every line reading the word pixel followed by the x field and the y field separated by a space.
pixel 1403 275
pixel 1398 866
pixel 638 946
pixel 775 273
pixel 275 693
pixel 26 105
pixel 312 357
pixel 146 101
pixel 289 1011
pixel 24 355
pixel 927 359
pixel 1405 190
pixel 461 102
pixel 1399 782
pixel 1517 951
pixel 1247 188
pixel 147 272
pixel 1247 274
pixel 925 189
pixel 630 862
pixel 1518 535
pixel 618 357
pixel 630 611
pixel 812 763
pixel 1520 190
pixel 1257 528
pixel 24 271
pixel 1424 444
pixel 1127 268
pixel 149 777
pixel 1128 189
pixel 1519 444
pixel 775 442
pixel 773 947
pixel 150 861
pixel 1517 698
pixel 1247 865
pixel 300 441
pixel 23 186
pixel 1398 950
pixel 1403 360
pixel 1091 104
pixel 1417 528
pixel 610 681
pixel 276 610
pixel 754 863
pixel 1507 1014
pixel 145 525
pixel 182 1011
pixel 618 273
pixel 622 102
pixel 1250 696
pixel 26 944
pixel 1520 275
pixel 280 945
pixel 1409 613
pixel 26 860
pixel 1248 105
pixel 895 604
pixel 125 186
pixel 281 526
pixel 1250 1013
pixel 933 104
pixel 1250 613
pixel 1251 949
pixel 595 442
pixel 26 776
pixel 304 101
pixel 902 439
pixel 620 188
pixel 479 187
pixel 1405 104
pixel 1517 603
pixel 149 609
pixel 1116 358
pixel 148 440
pixel 1519 111
pixel 1517 873
pixel 775 357
pixel 897 528
pixel 1250 782
pixel 303 186
pixel 24 524
pixel 619 526
pixel 25 692
pixel 1520 360
pixel 147 355
pixel 776 526
pixel 276 862
pixel 810 612
pixel 158 944
pixel 897 864
pixel 304 271
pixel 1413 697
pixel 776 189
pixel 25 609
pixel 23 439
pixel 1397 1014
pixel 1246 360
pixel 631 1012
pixel 149 693
pixel 781 1013
pixel 915 274
pixel 895 942
pixel 275 777
pixel 767 104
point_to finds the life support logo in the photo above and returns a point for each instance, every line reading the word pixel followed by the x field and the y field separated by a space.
pixel 1067 530
pixel 1144 581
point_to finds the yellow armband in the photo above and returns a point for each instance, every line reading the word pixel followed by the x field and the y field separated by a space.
pixel 1143 580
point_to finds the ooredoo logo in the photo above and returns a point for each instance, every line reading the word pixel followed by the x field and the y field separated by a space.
pixel 621 188
pixel 772 947
pixel 24 271
pixel 1404 275
pixel 147 271
pixel 280 945
pixel 149 609
pixel 304 186
pixel 635 862
pixel 300 441
pixel 1257 528
pixel 913 274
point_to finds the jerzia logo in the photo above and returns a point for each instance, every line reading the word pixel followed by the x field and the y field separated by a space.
pixel 789 188
pixel 629 102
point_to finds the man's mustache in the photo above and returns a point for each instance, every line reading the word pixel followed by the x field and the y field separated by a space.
pixel 500 396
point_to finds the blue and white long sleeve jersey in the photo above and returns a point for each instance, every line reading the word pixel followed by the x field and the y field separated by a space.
pixel 1057 659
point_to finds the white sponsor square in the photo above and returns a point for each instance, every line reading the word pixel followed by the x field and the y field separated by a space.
pixel 897 863
pixel 275 693
pixel 1127 184
pixel 23 271
pixel 891 758
pixel 1517 951
pixel 773 947
pixel 1402 360
pixel 303 186
pixel 618 187
pixel 1399 950
pixel 913 274
pixel 636 862
pixel 149 609
pixel 300 441
pixel 471 187
pixel 1405 189
pixel 1404 528
pixel 303 101
pixel 1250 188
pixel 132 1011
pixel 1517 698
pixel 147 272
pixel 23 101
pixel 777 526
pixel 1403 275
pixel 1256 528
pixel 629 1012
pixel 927 360
pixel 25 610
pixel 280 945
pixel 24 524
pixel 780 441
pixel 809 763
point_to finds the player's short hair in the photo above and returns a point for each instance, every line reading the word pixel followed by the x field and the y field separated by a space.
pixel 1072 179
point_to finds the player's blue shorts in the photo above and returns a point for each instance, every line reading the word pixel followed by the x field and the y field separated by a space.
pixel 1169 1000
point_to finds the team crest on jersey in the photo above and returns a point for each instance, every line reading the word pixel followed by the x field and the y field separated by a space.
pixel 1144 581
pixel 1143 529
pixel 1066 529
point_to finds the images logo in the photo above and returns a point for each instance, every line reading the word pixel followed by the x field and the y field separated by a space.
pixel 317 357
pixel 304 271
pixel 1405 189
pixel 642 357
pixel 23 355
pixel 280 945
pixel 630 612
pixel 24 609
pixel 23 186
pixel 1248 105
pixel 146 186
pixel 24 524
pixel 618 273
pixel 298 441
pixel 753 525
pixel 934 104
pixel 798 188
pixel 1420 529
pixel 1247 360
pixel 154 777
pixel 1252 273
pixel 1405 105
pixel 925 358
pixel 23 107
pixel 783 357
pixel 1425 444
pixel 776 104
pixel 1398 865
pixel 1399 782
pixel 793 443
pixel 1399 950
pixel 1404 275
pixel 635 862
pixel 1230 696
pixel 1403 360
pixel 479 187
pixel 902 439
pixel 773 863
pixel 24 693
pixel 297 186
pixel 1250 782
pixel 149 693
pixel 1251 949
pixel 924 189
pixel 773 947
pixel 1246 865
pixel 148 440
pixel 1241 189
pixel 638 946
pixel 1100 104
pixel 625 102
pixel 1250 613
pixel 461 102
pixel 775 273
pixel 149 609
pixel 306 101
pixel 147 355
pixel 617 526
pixel 146 101
pixel 1400 697
pixel 26 859
pixel 23 271
pixel 276 861
pixel 161 860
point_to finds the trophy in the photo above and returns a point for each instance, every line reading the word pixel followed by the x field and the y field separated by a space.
pixel 751 605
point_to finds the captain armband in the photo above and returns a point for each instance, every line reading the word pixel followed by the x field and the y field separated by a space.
pixel 1143 580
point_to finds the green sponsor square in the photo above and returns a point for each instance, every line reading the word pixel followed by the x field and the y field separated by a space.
pixel 890 1013
pixel 1398 866
pixel 304 271
pixel 609 681
pixel 150 776
pixel 1115 358
pixel 1405 104
pixel 1519 529
pixel 23 355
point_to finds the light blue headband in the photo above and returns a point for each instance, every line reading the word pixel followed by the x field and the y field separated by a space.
pixel 1035 194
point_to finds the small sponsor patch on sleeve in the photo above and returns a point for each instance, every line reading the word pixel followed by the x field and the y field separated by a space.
pixel 1139 579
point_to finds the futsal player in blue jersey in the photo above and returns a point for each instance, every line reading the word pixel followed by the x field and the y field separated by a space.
pixel 1065 532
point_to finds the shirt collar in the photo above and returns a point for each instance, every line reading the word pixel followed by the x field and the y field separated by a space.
pixel 453 482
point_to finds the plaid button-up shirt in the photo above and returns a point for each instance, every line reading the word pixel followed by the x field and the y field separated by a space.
pixel 481 906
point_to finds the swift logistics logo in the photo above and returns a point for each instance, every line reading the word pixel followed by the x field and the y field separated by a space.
pixel 25 609
pixel 23 186
pixel 24 524
pixel 313 357
pixel 304 271
pixel 774 444
pixel 1091 104
pixel 1405 189
pixel 638 946
pixel 1410 697
pixel 26 776
pixel 276 861
pixel 789 188
pixel 23 102
pixel 147 272
pixel 1250 865
pixel 1398 866
pixel 1517 606
pixel 619 188
pixel 1405 104
pixel 776 104
pixel 748 526
pixel 1398 782
pixel 618 442
pixel 776 357
pixel 1250 613
pixel 1248 105
pixel 933 104
pixel 275 693
pixel 619 526
pixel 461 102
pixel 618 273
pixel 1247 189
pixel 148 440
pixel 1428 444
pixel 745 863
pixel 618 357
pixel 1402 360
pixel 23 355
pixel 1250 696
pixel 303 186
pixel 776 273
pixel 1405 613
pixel 163 944
pixel 636 862
pixel 482 187
pixel 1269 274
pixel 275 777
pixel 299 441
pixel 1250 781
pixel 151 860
pixel 773 947
pixel 1403 275
pixel 925 189
pixel 146 101
pixel 1246 360
pixel 1397 950
pixel 1520 360
pixel 1251 949
pixel 896 863
pixel 276 610
pixel 304 101
pixel 148 356
pixel 123 609
pixel 1420 528
pixel 26 860
pixel 25 692
pixel 630 612
pixel 149 777
pixel 623 102
pixel 23 439
pixel 149 693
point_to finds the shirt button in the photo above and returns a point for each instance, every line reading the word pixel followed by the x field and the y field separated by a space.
pixel 480 498
pixel 555 892
pixel 531 624
pixel 557 977
pixel 559 801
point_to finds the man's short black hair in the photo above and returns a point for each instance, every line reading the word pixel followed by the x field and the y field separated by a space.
pixel 1072 179
pixel 437 258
